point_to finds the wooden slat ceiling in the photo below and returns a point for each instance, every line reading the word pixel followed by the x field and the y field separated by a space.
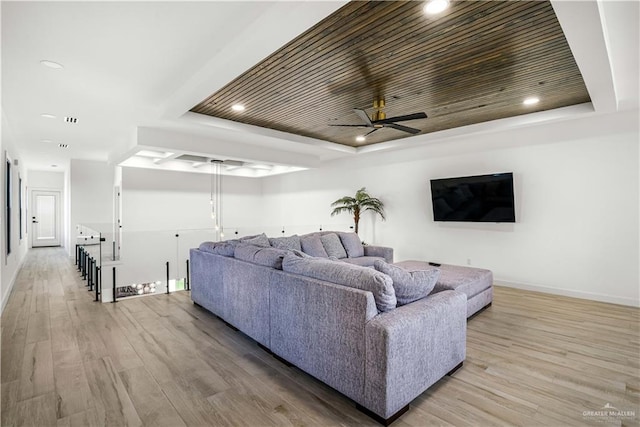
pixel 474 63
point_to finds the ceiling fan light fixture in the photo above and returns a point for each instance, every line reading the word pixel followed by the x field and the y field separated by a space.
pixel 433 7
pixel 361 138
pixel 531 100
pixel 238 107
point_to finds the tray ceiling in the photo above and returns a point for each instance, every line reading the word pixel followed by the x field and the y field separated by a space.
pixel 476 62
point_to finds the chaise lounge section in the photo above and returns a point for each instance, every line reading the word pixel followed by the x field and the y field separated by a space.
pixel 475 283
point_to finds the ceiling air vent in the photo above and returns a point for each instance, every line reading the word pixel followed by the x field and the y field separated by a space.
pixel 71 119
pixel 63 145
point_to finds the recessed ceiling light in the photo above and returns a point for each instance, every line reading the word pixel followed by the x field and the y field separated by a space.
pixel 531 100
pixel 51 64
pixel 46 140
pixel 434 7
pixel 237 107
pixel 360 138
pixel 54 166
pixel 47 116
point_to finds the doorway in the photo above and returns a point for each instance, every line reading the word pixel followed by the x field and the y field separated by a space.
pixel 45 218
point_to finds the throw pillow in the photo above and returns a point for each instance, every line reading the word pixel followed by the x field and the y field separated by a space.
pixel 352 244
pixel 332 245
pixel 353 276
pixel 291 242
pixel 312 245
pixel 268 257
pixel 259 240
pixel 409 285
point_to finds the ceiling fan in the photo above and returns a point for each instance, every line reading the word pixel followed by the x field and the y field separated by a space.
pixel 379 120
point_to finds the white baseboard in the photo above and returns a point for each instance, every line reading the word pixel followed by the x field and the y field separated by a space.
pixel 12 282
pixel 570 293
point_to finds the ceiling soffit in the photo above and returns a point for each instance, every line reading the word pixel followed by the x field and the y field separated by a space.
pixel 475 63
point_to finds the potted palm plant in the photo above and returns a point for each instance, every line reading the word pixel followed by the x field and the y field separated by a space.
pixel 357 205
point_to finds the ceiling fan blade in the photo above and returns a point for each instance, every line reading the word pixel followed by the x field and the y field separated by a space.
pixel 413 116
pixel 364 116
pixel 402 128
pixel 352 126
pixel 370 132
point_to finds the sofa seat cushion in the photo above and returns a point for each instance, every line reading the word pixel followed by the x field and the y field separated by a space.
pixel 268 257
pixel 468 280
pixel 410 285
pixel 363 261
pixel 333 246
pixel 341 273
pixel 291 242
pixel 352 244
pixel 312 245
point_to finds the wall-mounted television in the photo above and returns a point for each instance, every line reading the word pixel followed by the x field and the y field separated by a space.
pixel 482 198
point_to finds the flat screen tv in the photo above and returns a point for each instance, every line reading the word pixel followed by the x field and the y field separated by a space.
pixel 483 198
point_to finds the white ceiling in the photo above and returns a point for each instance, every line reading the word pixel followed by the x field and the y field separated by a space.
pixel 132 70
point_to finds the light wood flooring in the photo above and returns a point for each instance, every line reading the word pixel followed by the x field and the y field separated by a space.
pixel 532 359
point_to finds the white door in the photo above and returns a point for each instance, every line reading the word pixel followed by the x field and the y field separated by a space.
pixel 45 218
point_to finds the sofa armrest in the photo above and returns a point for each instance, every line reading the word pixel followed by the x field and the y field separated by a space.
pixel 379 251
pixel 410 348
pixel 207 284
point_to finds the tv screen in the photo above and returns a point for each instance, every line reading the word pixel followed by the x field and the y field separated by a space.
pixel 483 198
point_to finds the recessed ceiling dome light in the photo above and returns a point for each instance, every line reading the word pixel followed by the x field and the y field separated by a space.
pixel 531 100
pixel 47 116
pixel 434 7
pixel 360 138
pixel 237 107
pixel 46 140
pixel 51 64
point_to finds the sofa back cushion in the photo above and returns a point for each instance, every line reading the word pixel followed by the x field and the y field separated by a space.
pixel 312 245
pixel 352 244
pixel 260 240
pixel 367 279
pixel 409 285
pixel 268 257
pixel 224 248
pixel 333 246
pixel 291 242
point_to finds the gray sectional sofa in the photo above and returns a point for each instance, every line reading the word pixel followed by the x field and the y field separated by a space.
pixel 368 334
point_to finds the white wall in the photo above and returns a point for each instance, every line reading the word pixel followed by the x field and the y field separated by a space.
pixel 46 180
pixel 161 200
pixel 91 195
pixel 10 264
pixel 577 196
